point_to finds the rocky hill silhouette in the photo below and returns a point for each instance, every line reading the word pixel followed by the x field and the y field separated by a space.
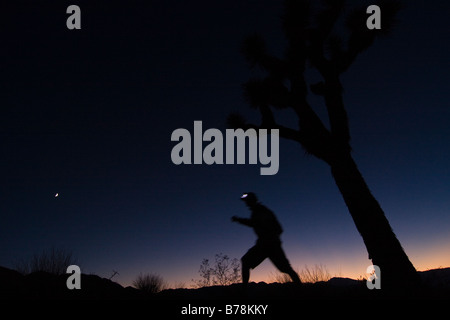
pixel 43 285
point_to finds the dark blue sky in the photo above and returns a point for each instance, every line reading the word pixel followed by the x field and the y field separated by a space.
pixel 89 114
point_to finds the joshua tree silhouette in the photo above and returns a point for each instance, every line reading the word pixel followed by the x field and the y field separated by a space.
pixel 311 42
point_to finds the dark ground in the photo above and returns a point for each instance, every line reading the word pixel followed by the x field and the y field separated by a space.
pixel 41 285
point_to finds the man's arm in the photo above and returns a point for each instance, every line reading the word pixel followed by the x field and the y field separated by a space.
pixel 244 221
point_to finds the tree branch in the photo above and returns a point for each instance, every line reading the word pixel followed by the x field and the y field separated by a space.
pixel 236 121
pixel 331 90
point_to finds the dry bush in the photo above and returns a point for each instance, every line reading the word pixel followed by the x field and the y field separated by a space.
pixel 54 261
pixel 224 272
pixel 307 275
pixel 149 283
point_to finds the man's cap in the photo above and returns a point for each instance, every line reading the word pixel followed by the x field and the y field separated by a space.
pixel 249 196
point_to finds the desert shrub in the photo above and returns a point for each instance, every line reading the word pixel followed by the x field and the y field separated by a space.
pixel 54 261
pixel 224 271
pixel 316 274
pixel 149 283
pixel 307 275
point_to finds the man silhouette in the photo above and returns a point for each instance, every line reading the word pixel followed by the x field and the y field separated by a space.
pixel 268 245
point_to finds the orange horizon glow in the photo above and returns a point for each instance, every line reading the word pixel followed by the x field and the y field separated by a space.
pixel 423 259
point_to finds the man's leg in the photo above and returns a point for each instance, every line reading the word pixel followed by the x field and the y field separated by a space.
pixel 278 258
pixel 294 276
pixel 254 256
pixel 245 273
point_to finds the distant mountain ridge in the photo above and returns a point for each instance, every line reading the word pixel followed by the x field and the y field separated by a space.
pixel 42 285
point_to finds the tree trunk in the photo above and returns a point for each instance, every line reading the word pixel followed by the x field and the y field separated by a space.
pixel 382 244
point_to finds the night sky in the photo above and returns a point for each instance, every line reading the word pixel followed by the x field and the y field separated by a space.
pixel 89 114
